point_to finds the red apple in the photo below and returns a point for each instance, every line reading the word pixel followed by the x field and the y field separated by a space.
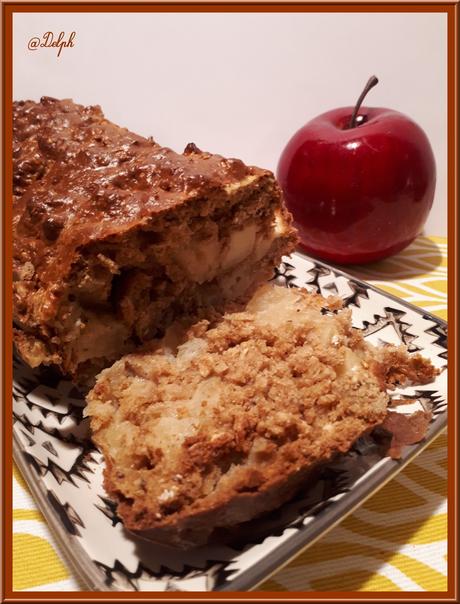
pixel 359 183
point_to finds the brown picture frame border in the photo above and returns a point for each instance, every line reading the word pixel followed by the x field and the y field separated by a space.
pixel 452 12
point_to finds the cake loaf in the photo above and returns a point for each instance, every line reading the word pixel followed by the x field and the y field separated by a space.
pixel 228 425
pixel 116 236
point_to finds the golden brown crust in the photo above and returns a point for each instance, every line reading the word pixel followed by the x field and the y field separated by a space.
pixel 100 218
pixel 79 178
pixel 395 367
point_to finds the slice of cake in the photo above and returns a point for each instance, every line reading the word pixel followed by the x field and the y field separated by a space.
pixel 115 236
pixel 230 424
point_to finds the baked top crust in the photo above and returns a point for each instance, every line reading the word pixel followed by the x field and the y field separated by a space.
pixel 115 236
pixel 79 178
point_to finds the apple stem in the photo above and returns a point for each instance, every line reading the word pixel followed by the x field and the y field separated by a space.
pixel 372 81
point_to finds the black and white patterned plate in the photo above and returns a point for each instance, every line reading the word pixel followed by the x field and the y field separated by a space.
pixel 53 449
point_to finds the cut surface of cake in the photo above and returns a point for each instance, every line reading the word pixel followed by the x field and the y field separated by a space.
pixel 229 424
pixel 115 236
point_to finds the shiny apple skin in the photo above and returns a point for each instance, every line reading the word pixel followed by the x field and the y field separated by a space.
pixel 358 195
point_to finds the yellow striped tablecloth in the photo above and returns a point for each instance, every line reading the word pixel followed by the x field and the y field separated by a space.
pixel 397 541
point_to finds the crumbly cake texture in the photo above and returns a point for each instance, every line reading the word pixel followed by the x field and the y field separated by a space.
pixel 232 422
pixel 115 236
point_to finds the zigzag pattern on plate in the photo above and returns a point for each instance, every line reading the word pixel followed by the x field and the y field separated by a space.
pixel 53 437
